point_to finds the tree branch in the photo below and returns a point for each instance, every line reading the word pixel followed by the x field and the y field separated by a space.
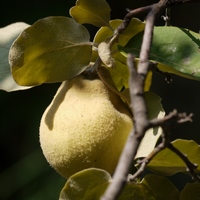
pixel 172 118
pixel 138 104
pixel 166 123
pixel 143 163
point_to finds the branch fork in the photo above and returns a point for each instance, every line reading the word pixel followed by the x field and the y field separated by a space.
pixel 138 105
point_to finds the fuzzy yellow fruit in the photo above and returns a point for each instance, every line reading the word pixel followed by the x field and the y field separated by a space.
pixel 86 125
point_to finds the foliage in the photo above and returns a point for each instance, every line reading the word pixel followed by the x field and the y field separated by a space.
pixel 50 57
pixel 98 180
pixel 168 163
pixel 176 50
pixel 8 35
pixel 55 49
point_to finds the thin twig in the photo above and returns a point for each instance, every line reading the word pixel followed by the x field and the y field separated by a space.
pixel 143 163
pixel 145 10
pixel 127 19
pixel 169 120
pixel 172 118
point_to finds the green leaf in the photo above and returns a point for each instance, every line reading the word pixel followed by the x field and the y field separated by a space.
pixel 88 184
pixel 191 191
pixel 161 187
pixel 134 27
pixel 96 12
pixel 91 184
pixel 168 163
pixel 105 76
pixel 155 110
pixel 151 187
pixel 175 49
pixel 114 80
pixel 111 57
pixel 120 76
pixel 53 49
pixel 120 73
pixel 7 36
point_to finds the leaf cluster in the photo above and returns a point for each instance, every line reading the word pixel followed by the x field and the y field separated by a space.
pixel 55 49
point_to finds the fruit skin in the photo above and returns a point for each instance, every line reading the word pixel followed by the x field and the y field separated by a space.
pixel 86 125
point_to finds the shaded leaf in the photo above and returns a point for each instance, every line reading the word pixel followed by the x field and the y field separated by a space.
pixel 7 36
pixel 168 163
pixel 161 187
pixel 151 187
pixel 53 49
pixel 96 12
pixel 175 49
pixel 191 191
pixel 91 183
pixel 88 184
pixel 155 110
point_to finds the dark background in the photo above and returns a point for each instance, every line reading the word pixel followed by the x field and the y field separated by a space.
pixel 24 172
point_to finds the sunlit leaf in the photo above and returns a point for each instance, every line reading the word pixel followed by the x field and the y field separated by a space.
pixel 175 49
pixel 96 12
pixel 106 77
pixel 168 163
pixel 87 184
pixel 155 110
pixel 53 49
pixel 111 57
pixel 134 27
pixel 7 36
pixel 120 73
pixel 104 52
pixel 191 191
